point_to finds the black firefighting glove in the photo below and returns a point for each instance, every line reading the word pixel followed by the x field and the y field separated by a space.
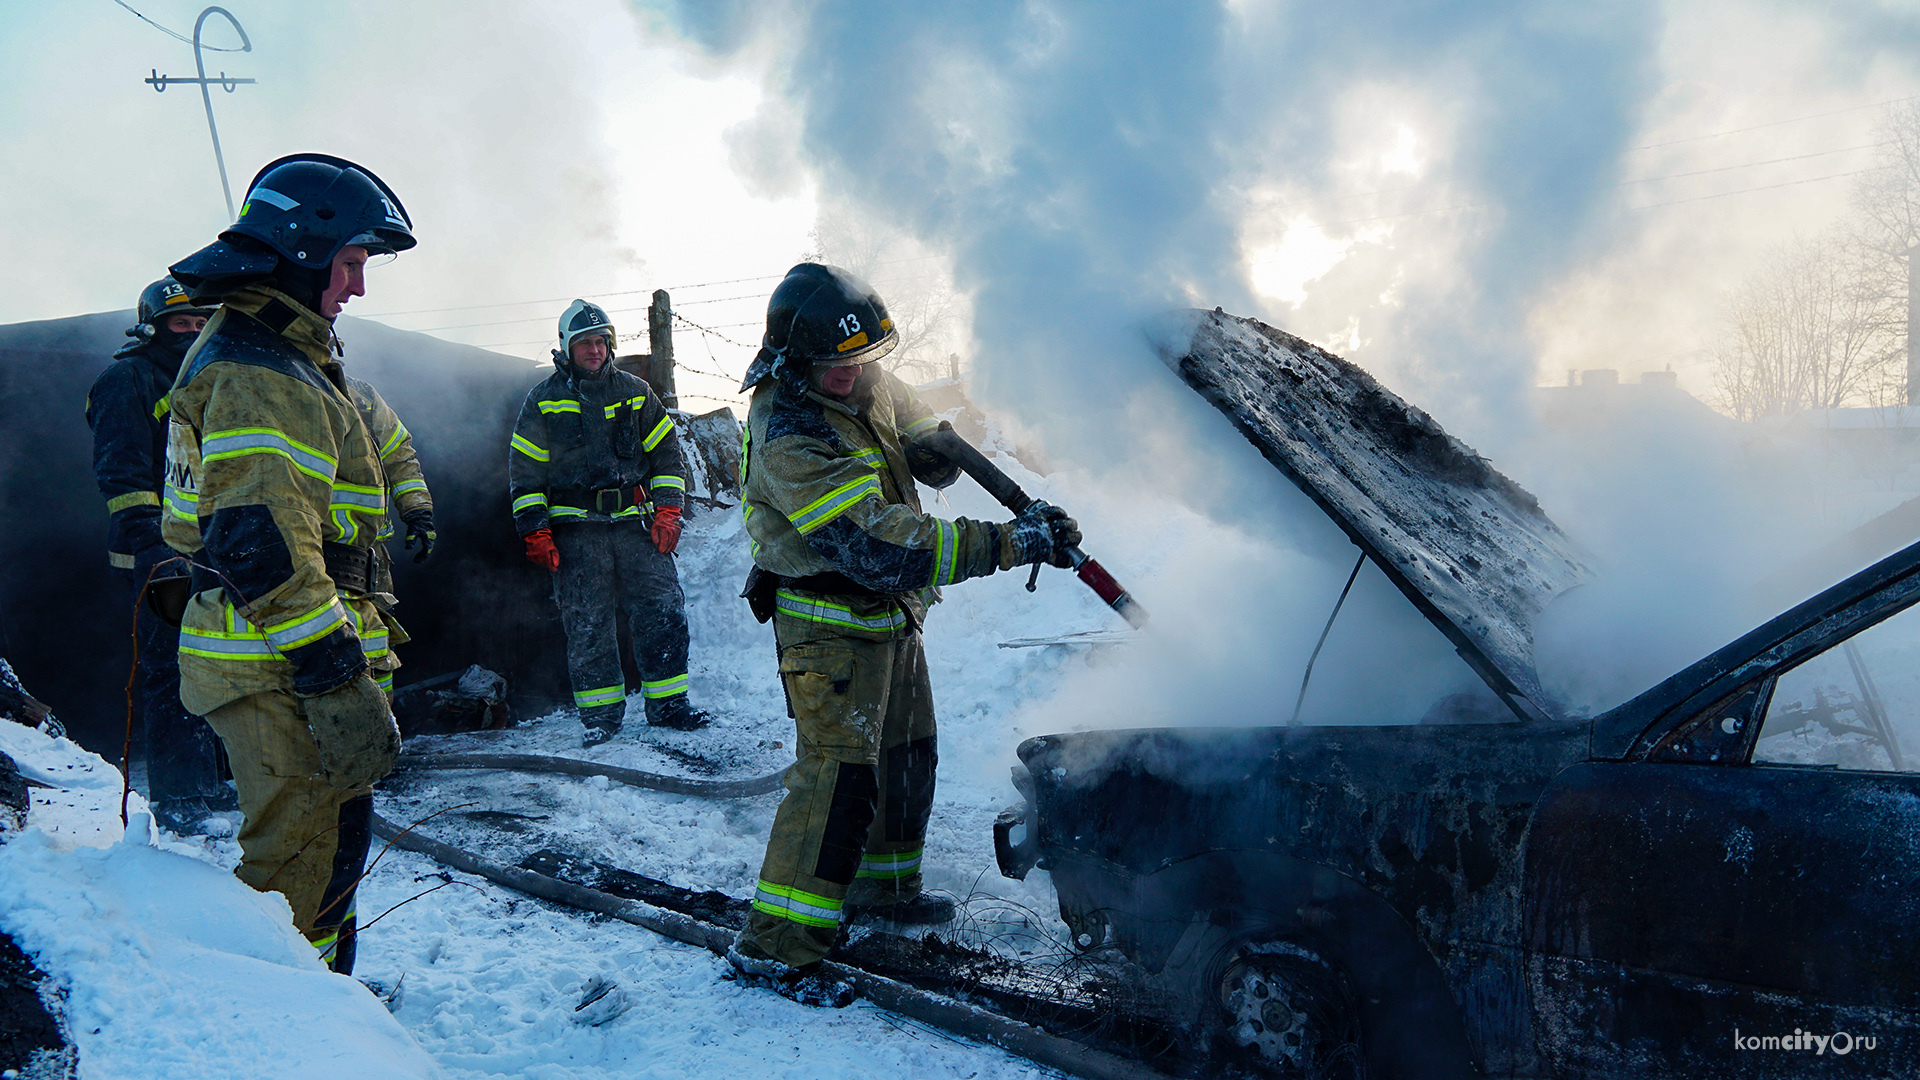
pixel 930 466
pixel 354 728
pixel 419 527
pixel 1042 533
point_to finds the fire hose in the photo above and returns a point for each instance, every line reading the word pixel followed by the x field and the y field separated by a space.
pixel 998 484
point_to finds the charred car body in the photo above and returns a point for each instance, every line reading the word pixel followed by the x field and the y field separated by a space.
pixel 1716 878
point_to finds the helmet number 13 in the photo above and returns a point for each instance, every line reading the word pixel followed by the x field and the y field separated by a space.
pixel 850 325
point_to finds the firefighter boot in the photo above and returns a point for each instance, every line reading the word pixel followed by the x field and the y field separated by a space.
pixel 923 909
pixel 677 713
pixel 810 985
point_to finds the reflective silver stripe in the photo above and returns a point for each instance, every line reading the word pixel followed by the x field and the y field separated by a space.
pixel 308 628
pixel 365 499
pixel 946 553
pixel 568 511
pixel 120 560
pixel 232 645
pixel 605 695
pixel 393 441
pixel 897 865
pixel 184 505
pixel 405 486
pixel 667 482
pixel 560 406
pixel 636 402
pixel 791 603
pixel 222 445
pixel 923 425
pixel 834 503
pixel 873 456
pixel 664 688
pixel 660 431
pixel 808 909
pixel 528 502
pixel 529 448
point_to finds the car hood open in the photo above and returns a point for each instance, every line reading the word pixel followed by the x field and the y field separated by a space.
pixel 1469 547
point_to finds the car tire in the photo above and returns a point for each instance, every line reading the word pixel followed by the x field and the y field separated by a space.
pixel 1282 1011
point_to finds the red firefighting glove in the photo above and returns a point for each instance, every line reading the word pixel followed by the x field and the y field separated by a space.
pixel 666 529
pixel 540 550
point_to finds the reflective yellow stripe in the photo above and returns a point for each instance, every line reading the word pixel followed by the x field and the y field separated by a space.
pixel 184 505
pixel 667 482
pixel 944 572
pixel 805 908
pixel 659 432
pixel 923 425
pixel 526 446
pixel 528 502
pixel 393 442
pixel 814 609
pixel 834 503
pixel 239 442
pixel 567 511
pixel 163 406
pixel 560 406
pixel 405 486
pixel 873 456
pixel 636 402
pixel 897 865
pixel 606 695
pixel 664 688
pixel 131 499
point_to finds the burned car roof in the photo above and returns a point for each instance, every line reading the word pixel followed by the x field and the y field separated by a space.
pixel 1468 546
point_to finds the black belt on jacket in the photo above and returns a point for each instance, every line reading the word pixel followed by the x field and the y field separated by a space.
pixel 832 583
pixel 596 500
pixel 351 569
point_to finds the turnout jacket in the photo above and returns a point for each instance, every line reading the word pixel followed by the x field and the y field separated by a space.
pixel 406 485
pixel 127 410
pixel 579 437
pixel 268 459
pixel 826 488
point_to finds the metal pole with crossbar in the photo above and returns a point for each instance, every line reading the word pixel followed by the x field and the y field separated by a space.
pixel 227 82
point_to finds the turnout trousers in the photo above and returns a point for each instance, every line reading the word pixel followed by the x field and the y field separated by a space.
pixel 303 838
pixel 609 568
pixel 182 752
pixel 854 820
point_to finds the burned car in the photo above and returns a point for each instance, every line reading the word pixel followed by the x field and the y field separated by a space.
pixel 1716 878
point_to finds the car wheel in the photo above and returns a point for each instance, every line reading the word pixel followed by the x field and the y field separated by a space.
pixel 1285 1012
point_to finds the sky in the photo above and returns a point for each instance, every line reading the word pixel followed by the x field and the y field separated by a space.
pixel 1466 198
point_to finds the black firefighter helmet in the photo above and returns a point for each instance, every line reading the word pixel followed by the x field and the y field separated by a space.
pixel 298 213
pixel 164 298
pixel 822 315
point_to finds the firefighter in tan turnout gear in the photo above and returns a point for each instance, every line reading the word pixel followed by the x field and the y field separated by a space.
pixel 597 480
pixel 274 479
pixel 845 565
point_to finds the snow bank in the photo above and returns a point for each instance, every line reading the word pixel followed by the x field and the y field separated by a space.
pixel 172 969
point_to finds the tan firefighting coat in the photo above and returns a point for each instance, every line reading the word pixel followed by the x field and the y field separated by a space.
pixel 826 488
pixel 268 457
pixel 406 484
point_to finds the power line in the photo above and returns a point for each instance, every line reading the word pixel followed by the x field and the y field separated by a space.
pixel 1772 123
pixel 1753 164
pixel 1763 187
pixel 175 36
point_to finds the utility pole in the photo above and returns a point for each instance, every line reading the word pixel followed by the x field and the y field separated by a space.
pixel 160 82
pixel 660 341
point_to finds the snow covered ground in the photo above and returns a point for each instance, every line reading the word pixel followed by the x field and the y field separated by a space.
pixel 173 969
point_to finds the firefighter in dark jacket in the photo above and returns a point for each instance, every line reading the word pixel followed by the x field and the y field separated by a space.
pixel 597 481
pixel 127 410
pixel 845 565
pixel 275 481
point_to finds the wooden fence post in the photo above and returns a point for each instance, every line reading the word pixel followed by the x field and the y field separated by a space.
pixel 660 335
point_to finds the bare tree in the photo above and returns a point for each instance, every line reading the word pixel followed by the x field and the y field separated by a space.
pixel 1805 332
pixel 927 311
pixel 1884 232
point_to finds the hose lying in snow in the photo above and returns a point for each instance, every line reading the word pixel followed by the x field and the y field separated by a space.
pixel 678 785
pixel 925 1006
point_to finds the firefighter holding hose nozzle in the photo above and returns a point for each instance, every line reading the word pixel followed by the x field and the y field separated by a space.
pixel 845 566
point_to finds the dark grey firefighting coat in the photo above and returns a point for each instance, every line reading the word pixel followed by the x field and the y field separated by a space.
pixel 582 445
pixel 127 410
